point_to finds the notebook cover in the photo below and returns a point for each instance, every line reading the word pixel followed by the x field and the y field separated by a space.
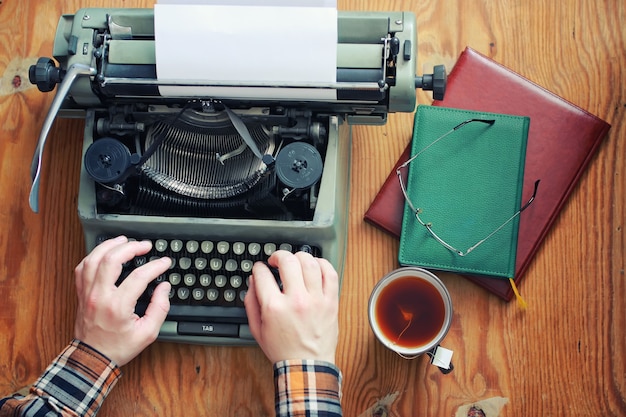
pixel 468 184
pixel 562 140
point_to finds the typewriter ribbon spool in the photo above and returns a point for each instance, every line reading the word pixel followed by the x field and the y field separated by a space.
pixel 107 160
pixel 299 165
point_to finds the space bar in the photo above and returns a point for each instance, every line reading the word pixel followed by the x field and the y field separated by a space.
pixel 183 312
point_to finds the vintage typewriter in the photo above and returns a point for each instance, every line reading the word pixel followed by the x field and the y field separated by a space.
pixel 218 183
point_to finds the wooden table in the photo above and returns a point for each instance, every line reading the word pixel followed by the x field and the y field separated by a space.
pixel 563 356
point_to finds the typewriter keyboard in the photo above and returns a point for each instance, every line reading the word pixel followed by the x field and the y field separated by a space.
pixel 209 281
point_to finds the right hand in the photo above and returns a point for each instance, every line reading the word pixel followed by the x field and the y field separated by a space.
pixel 300 322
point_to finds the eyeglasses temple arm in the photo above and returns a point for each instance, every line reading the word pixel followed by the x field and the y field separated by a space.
pixel 532 197
pixel 487 121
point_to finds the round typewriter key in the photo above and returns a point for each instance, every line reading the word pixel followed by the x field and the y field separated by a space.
pixel 192 246
pixel 206 246
pixel 197 294
pixel 230 295
pixel 246 265
pixel 212 294
pixel 236 281
pixel 269 248
pixel 160 245
pixel 299 165
pixel 176 245
pixel 223 247
pixel 205 280
pixel 183 293
pixel 175 278
pixel 184 263
pixel 190 280
pixel 239 248
pixel 200 263
pixel 220 281
pixel 254 249
pixel 216 264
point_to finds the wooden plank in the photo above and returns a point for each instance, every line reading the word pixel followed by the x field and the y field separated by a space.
pixel 564 355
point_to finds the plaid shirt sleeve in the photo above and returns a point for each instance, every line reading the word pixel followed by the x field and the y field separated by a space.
pixel 307 388
pixel 75 384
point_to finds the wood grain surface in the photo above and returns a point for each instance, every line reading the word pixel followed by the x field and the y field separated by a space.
pixel 563 356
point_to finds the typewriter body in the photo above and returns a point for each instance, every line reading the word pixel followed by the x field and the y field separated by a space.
pixel 224 179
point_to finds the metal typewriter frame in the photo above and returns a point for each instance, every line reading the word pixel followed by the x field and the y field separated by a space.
pixel 328 229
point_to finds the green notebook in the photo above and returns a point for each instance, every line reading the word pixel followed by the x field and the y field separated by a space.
pixel 467 187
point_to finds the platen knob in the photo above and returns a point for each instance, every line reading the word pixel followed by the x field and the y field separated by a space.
pixel 45 74
pixel 440 79
pixel 436 82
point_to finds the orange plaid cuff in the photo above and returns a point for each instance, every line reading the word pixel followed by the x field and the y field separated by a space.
pixel 307 387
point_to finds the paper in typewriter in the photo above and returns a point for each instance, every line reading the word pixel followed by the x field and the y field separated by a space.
pixel 238 45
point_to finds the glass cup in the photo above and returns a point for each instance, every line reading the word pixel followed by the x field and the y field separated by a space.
pixel 410 312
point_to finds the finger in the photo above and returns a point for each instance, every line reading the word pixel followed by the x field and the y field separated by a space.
pixel 156 312
pixel 311 272
pixel 290 270
pixel 265 286
pixel 110 267
pixel 136 283
pixel 85 271
pixel 78 279
pixel 253 309
pixel 330 278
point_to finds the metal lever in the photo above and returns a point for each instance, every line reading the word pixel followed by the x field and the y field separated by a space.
pixel 73 71
pixel 243 131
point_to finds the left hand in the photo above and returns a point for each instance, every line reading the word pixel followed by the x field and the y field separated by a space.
pixel 106 318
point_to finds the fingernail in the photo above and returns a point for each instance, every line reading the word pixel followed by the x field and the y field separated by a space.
pixel 170 261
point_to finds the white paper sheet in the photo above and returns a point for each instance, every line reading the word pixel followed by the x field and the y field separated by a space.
pixel 246 45
pixel 290 3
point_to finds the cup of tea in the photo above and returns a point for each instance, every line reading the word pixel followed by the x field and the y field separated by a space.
pixel 410 312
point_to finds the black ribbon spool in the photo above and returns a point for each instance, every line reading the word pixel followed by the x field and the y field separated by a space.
pixel 107 160
pixel 299 165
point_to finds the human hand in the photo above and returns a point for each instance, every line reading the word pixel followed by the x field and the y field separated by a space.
pixel 301 321
pixel 106 318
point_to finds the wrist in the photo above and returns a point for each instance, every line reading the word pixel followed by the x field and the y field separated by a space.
pixel 93 350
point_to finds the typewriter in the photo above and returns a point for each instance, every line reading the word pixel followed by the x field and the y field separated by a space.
pixel 218 182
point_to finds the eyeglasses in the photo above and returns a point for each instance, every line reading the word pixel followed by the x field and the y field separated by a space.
pixel 428 225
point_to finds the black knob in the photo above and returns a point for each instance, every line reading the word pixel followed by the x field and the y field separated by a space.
pixel 435 82
pixel 440 79
pixel 45 74
pixel 394 45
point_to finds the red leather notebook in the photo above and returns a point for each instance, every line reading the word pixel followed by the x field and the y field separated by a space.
pixel 561 142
